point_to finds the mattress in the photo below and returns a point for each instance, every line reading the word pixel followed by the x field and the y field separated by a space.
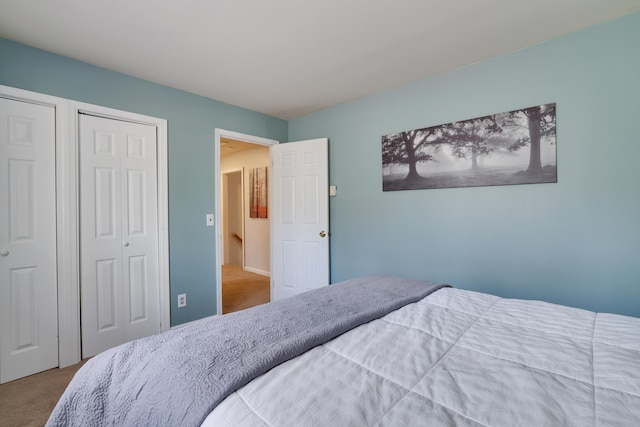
pixel 457 358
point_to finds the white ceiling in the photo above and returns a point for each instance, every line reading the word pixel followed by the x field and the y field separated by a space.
pixel 230 146
pixel 288 58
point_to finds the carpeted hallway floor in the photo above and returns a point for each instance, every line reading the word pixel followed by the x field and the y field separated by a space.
pixel 242 289
pixel 27 402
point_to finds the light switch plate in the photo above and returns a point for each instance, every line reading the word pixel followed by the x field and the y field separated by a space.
pixel 209 220
pixel 333 190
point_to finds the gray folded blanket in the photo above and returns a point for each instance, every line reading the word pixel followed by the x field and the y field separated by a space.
pixel 176 378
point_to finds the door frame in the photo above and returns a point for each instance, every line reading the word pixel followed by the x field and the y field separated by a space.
pixel 67 208
pixel 220 133
pixel 224 219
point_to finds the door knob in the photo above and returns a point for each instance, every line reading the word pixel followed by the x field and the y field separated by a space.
pixel 125 244
pixel 323 233
pixel 4 253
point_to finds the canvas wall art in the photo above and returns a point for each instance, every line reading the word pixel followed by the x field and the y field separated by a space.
pixel 258 198
pixel 516 147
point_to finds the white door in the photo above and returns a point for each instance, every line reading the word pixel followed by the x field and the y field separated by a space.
pixel 28 288
pixel 300 217
pixel 118 233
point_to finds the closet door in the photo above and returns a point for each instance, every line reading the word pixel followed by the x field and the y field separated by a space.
pixel 28 287
pixel 118 233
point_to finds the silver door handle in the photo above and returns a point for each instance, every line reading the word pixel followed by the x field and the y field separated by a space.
pixel 323 233
pixel 4 253
pixel 125 244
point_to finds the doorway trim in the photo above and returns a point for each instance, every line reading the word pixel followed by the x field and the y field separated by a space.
pixel 220 133
pixel 224 219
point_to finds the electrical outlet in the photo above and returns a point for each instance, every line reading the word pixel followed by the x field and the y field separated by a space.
pixel 182 300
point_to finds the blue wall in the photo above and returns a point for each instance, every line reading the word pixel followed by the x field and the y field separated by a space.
pixel 576 242
pixel 191 123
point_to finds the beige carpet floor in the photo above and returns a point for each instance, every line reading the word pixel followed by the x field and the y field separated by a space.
pixel 28 402
pixel 242 289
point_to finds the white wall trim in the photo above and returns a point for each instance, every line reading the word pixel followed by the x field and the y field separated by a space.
pixel 222 220
pixel 66 113
pixel 258 271
pixel 220 133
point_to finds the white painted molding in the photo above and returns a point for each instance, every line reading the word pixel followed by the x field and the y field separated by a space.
pixel 258 271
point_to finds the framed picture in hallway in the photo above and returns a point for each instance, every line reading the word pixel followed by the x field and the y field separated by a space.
pixel 258 199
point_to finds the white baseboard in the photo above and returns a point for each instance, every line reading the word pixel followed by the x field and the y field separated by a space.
pixel 257 271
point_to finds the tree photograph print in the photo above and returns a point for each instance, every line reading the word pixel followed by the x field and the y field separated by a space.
pixel 258 200
pixel 516 147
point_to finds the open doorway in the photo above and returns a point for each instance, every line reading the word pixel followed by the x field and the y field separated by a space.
pixel 240 288
pixel 243 253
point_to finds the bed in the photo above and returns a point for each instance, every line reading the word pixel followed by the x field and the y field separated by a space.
pixel 372 351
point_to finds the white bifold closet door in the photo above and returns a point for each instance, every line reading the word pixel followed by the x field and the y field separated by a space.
pixel 28 278
pixel 118 233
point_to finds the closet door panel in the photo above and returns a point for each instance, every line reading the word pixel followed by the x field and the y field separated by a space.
pixel 118 228
pixel 28 286
pixel 140 231
pixel 100 235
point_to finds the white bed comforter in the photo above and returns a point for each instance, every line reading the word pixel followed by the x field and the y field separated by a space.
pixel 456 358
